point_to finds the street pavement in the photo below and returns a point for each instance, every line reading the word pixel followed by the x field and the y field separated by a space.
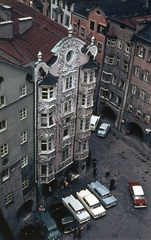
pixel 128 159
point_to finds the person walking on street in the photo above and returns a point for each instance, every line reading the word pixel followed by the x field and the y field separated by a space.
pixel 75 233
pixel 112 181
pixel 94 172
pixel 88 225
pixel 79 233
pixel 107 172
pixel 94 162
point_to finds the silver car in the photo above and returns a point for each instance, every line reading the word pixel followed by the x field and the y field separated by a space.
pixel 76 208
pixel 103 194
pixel 103 129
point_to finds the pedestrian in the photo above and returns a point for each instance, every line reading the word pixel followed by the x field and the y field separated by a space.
pixel 94 172
pixel 88 225
pixel 94 162
pixel 112 181
pixel 107 172
pixel 79 233
pixel 75 233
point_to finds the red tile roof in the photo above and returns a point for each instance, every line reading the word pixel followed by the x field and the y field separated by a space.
pixel 42 36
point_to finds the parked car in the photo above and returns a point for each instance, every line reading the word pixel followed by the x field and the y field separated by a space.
pixel 103 129
pixel 137 194
pixel 91 203
pixel 103 194
pixel 94 122
pixel 76 208
pixel 63 217
pixel 48 225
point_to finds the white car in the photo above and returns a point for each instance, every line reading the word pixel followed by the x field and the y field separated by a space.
pixel 76 208
pixel 94 122
pixel 91 203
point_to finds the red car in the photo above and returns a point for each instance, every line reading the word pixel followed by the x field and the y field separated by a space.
pixel 137 194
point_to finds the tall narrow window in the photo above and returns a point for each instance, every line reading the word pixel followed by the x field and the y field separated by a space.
pixel 68 82
pixel 85 76
pixel 2 101
pixel 23 114
pixel 83 99
pixel 22 91
pixel 25 184
pixel 8 198
pixel 43 169
pixel 92 24
pixel 3 125
pixel 23 137
pixel 4 149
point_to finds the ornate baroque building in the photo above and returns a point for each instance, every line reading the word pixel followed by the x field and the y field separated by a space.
pixel 64 101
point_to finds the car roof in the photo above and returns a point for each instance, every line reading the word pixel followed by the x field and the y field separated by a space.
pixel 138 190
pixel 104 125
pixel 100 188
pixel 75 203
pixel 48 220
pixel 91 199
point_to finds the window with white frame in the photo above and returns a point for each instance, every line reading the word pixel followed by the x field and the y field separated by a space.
pixel 106 76
pixel 22 91
pixel 120 44
pixel 134 88
pixel 23 114
pixel 128 47
pixel 43 169
pixel 67 18
pixel 47 144
pixel 149 56
pixel 137 71
pixel 24 161
pixel 141 51
pixel 109 59
pixel 8 198
pixel 75 28
pixel 47 93
pixel 67 106
pixel 85 77
pixel 46 119
pixel 5 174
pixel 24 184
pixel 23 137
pixel 146 75
pixel 65 154
pixel 68 83
pixel 3 125
pixel 2 101
pixel 99 47
pixel 111 42
pixel 82 31
pixel 104 93
pixel 101 29
pixel 142 94
pixel 118 101
pixel 4 149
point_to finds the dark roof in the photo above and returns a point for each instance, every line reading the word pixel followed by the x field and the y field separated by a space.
pixel 49 79
pixel 145 33
pixel 42 36
pixel 90 64
pixel 116 9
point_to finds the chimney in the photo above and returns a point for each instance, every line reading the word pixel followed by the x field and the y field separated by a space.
pixel 5 12
pixel 25 24
pixel 6 29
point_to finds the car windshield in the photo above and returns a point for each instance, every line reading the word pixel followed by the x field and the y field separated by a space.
pixel 80 211
pixel 102 129
pixel 106 196
pixel 139 197
pixel 95 206
pixel 52 230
